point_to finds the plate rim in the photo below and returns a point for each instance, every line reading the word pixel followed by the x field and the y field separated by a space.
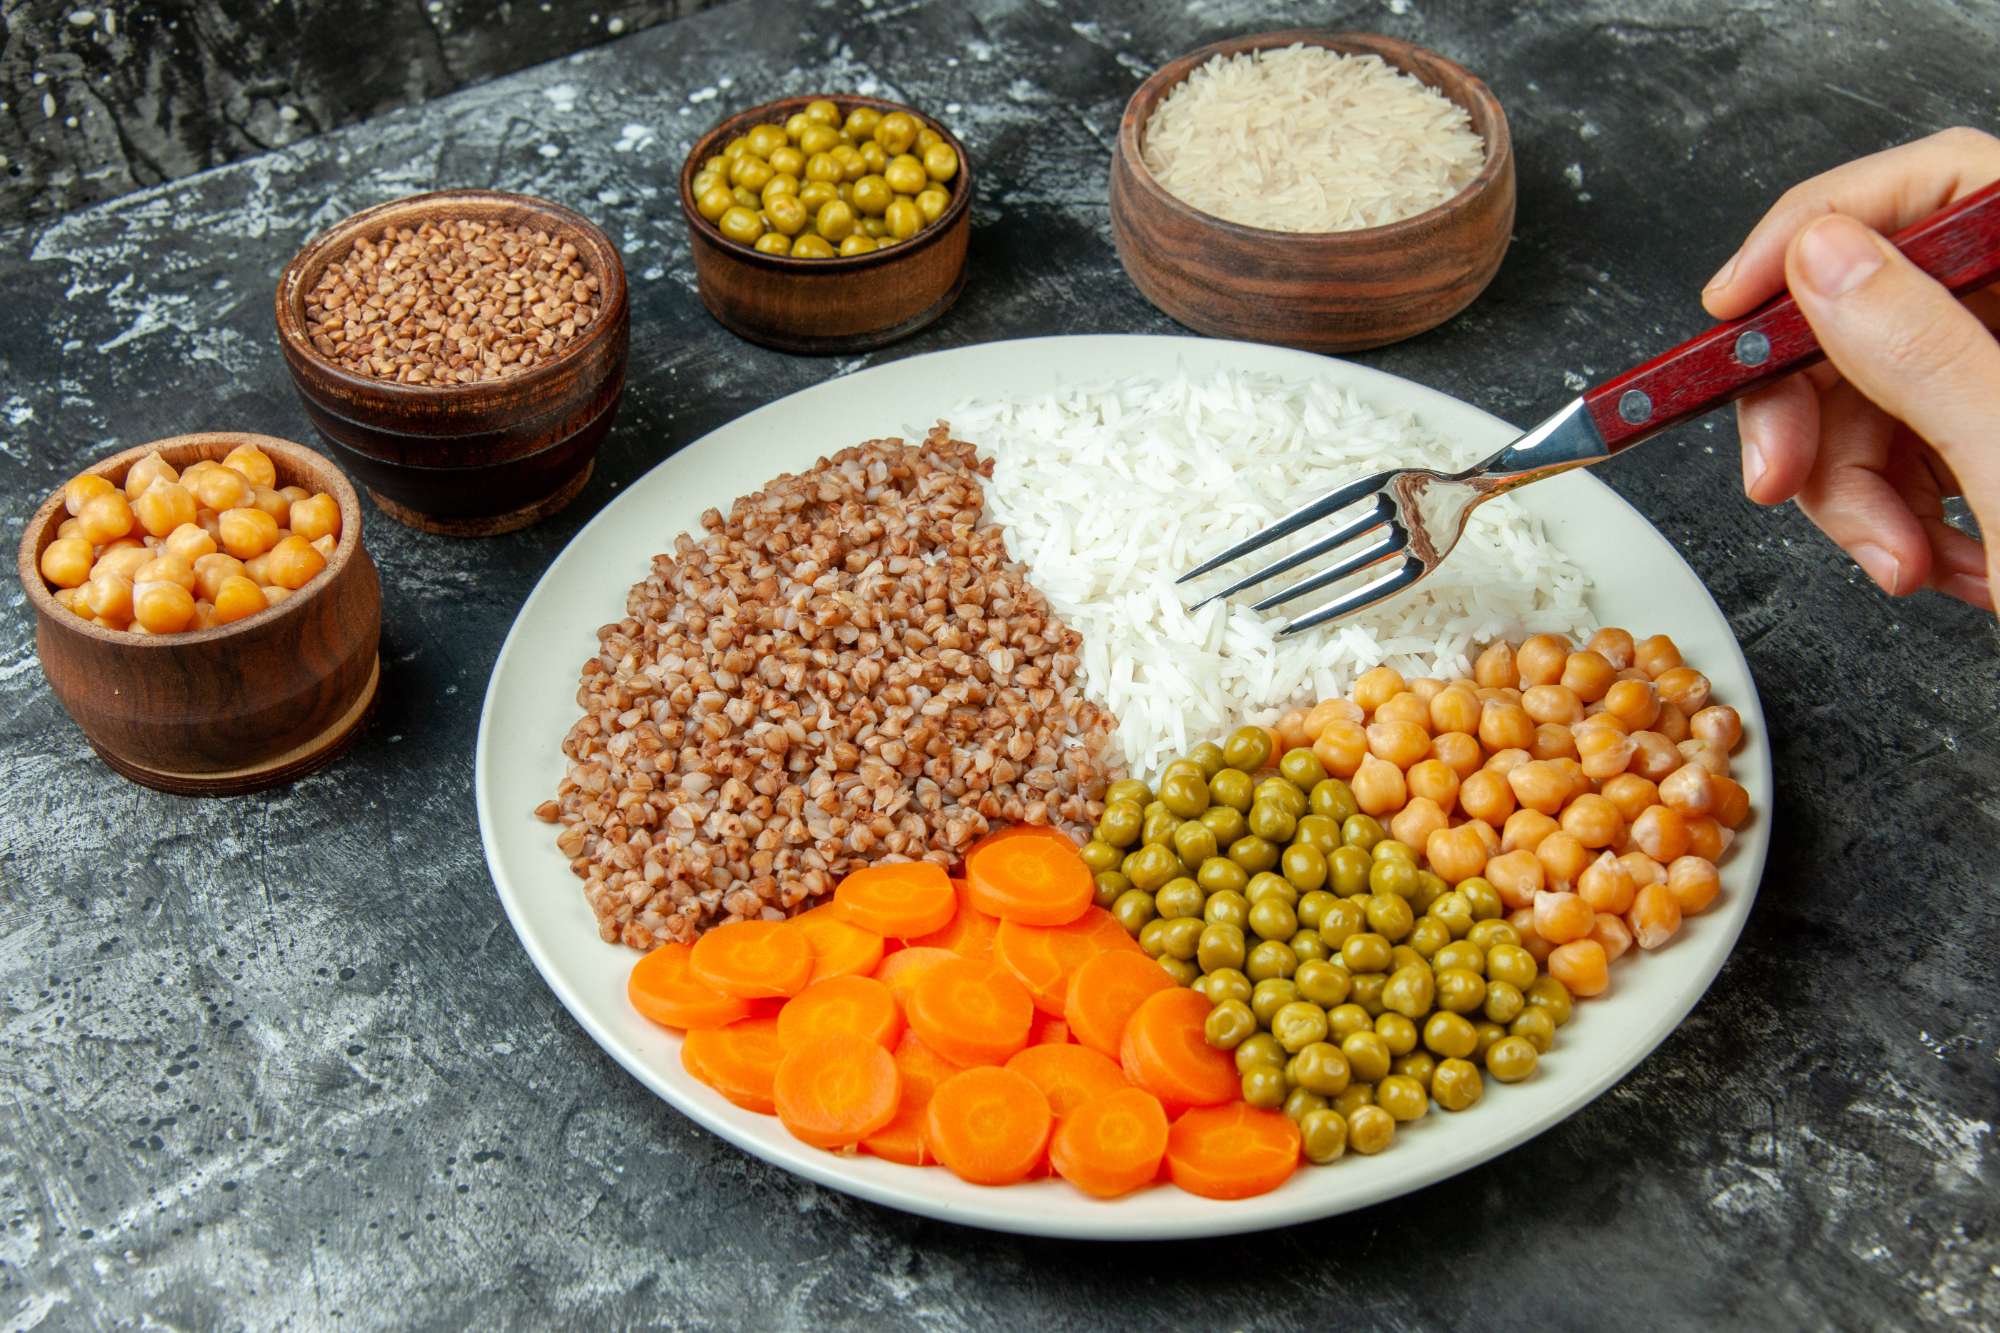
pixel 1126 1219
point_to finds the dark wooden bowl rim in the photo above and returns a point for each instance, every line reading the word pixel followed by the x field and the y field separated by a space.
pixel 1499 142
pixel 45 517
pixel 778 111
pixel 306 266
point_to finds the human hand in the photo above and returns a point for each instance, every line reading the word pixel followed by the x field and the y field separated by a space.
pixel 1906 409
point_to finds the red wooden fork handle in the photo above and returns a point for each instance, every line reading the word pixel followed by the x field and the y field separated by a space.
pixel 1959 246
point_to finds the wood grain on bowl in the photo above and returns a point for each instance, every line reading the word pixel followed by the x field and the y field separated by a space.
pixel 234 708
pixel 465 459
pixel 826 306
pixel 1319 291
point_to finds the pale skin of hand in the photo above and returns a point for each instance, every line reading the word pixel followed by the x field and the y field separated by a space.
pixel 1906 409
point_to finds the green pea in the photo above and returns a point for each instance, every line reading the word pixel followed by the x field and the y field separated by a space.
pixel 1409 991
pixel 1227 983
pixel 1270 995
pixel 1227 1025
pixel 1392 847
pixel 1299 1103
pixel 1536 1027
pixel 1461 990
pixel 1185 793
pixel 1182 970
pixel 1483 897
pixel 1504 1003
pixel 1111 886
pixel 1264 1086
pixel 1194 842
pixel 1134 910
pixel 1226 907
pixel 1312 906
pixel 1267 885
pixel 1303 866
pixel 1397 1032
pixel 1347 869
pixel 1260 1049
pixel 1325 984
pixel 1319 833
pixel 1272 918
pixel 1159 828
pixel 1353 1099
pixel 1367 991
pixel 1231 788
pixel 1365 952
pixel 1456 1084
pixel 1390 874
pixel 1429 935
pixel 1220 946
pixel 1121 823
pixel 1448 1035
pixel 1306 944
pixel 1154 807
pixel 1179 897
pixel 1367 1055
pixel 1150 938
pixel 1388 916
pixel 1253 853
pixel 1181 937
pixel 1271 958
pixel 1333 799
pixel 1298 1024
pixel 1344 1020
pixel 1100 855
pixel 1130 790
pixel 1207 757
pixel 1226 823
pixel 1512 1059
pixel 1361 831
pixel 1404 956
pixel 1454 911
pixel 1272 821
pixel 1219 874
pixel 1419 1065
pixel 1430 888
pixel 1339 922
pixel 1320 1068
pixel 1302 769
pixel 1248 748
pixel 1152 866
pixel 1403 1098
pixel 1512 964
pixel 1323 1136
pixel 1282 794
pixel 1545 992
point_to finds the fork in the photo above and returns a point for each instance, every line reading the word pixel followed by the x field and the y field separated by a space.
pixel 1420 512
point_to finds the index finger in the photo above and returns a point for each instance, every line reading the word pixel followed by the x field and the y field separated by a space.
pixel 1887 191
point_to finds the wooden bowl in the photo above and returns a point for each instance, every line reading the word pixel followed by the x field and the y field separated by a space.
pixel 823 306
pixel 1322 291
pixel 468 460
pixel 239 707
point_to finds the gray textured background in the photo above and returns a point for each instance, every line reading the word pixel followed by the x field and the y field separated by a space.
pixel 279 1060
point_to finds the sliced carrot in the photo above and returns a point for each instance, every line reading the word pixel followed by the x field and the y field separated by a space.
pixel 1044 956
pixel 899 898
pixel 1048 1031
pixel 662 989
pixel 1105 992
pixel 1112 1144
pixel 1068 1076
pixel 902 1139
pixel 836 1091
pixel 753 959
pixel 1164 1050
pixel 839 949
pixel 970 1012
pixel 1232 1152
pixel 1000 831
pixel 989 1126
pixel 969 933
pixel 856 1006
pixel 899 971
pixel 738 1061
pixel 1031 875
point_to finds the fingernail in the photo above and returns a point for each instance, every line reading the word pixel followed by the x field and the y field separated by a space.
pixel 1836 255
pixel 1724 274
pixel 1885 569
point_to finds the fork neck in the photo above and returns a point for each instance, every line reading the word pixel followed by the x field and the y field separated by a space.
pixel 1567 439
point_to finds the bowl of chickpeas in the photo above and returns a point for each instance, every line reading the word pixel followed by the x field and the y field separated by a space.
pixel 828 224
pixel 205 610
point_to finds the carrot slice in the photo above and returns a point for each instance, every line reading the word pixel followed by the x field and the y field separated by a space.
pixel 738 1061
pixel 989 1126
pixel 969 933
pixel 1031 875
pixel 1112 1144
pixel 971 1012
pixel 1165 1052
pixel 1068 1076
pixel 1105 992
pixel 1044 956
pixel 902 1139
pixel 1232 1152
pixel 836 1091
pixel 839 949
pixel 753 959
pixel 900 898
pixel 1047 1031
pixel 899 971
pixel 662 989
pixel 854 1006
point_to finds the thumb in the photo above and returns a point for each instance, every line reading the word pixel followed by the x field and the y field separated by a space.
pixel 1907 344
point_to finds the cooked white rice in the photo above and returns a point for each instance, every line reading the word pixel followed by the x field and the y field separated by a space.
pixel 1108 492
pixel 1306 139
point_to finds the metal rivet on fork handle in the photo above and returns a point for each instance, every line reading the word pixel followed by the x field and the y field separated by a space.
pixel 1753 348
pixel 1635 406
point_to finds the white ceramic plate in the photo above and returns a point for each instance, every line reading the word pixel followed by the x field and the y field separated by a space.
pixel 530 704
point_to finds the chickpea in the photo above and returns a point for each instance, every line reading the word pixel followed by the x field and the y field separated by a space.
pixel 1660 833
pixel 1552 703
pixel 1588 675
pixel 1593 821
pixel 1581 965
pixel 1407 706
pixel 1693 882
pixel 1613 934
pixel 248 532
pixel 1688 789
pixel 1525 830
pixel 108 597
pixel 1604 752
pixel 124 561
pixel 1455 853
pixel 1378 786
pixel 1719 725
pixel 211 570
pixel 1505 726
pixel 1672 722
pixel 1614 646
pixel 145 472
pixel 1540 659
pixel 1486 795
pixel 1377 686
pixel 162 607
pixel 1417 820
pixel 1653 755
pixel 1398 743
pixel 222 488
pixel 1454 708
pixel 66 561
pixel 189 543
pixel 1606 885
pixel 1552 740
pixel 1684 688
pixel 1562 917
pixel 1655 916
pixel 104 518
pixel 1517 876
pixel 237 597
pixel 1489 838
pixel 294 562
pixel 253 463
pixel 1433 780
pixel 1341 747
pixel 1495 667
pixel 1655 655
pixel 1732 803
pixel 1538 785
pixel 164 506
pixel 1707 838
pixel 166 569
pixel 1522 921
pixel 1636 703
pixel 1459 751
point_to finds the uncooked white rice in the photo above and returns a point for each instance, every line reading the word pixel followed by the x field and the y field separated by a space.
pixel 1108 491
pixel 1306 139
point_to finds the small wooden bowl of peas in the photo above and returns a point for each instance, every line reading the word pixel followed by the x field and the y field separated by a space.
pixel 828 224
pixel 205 610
